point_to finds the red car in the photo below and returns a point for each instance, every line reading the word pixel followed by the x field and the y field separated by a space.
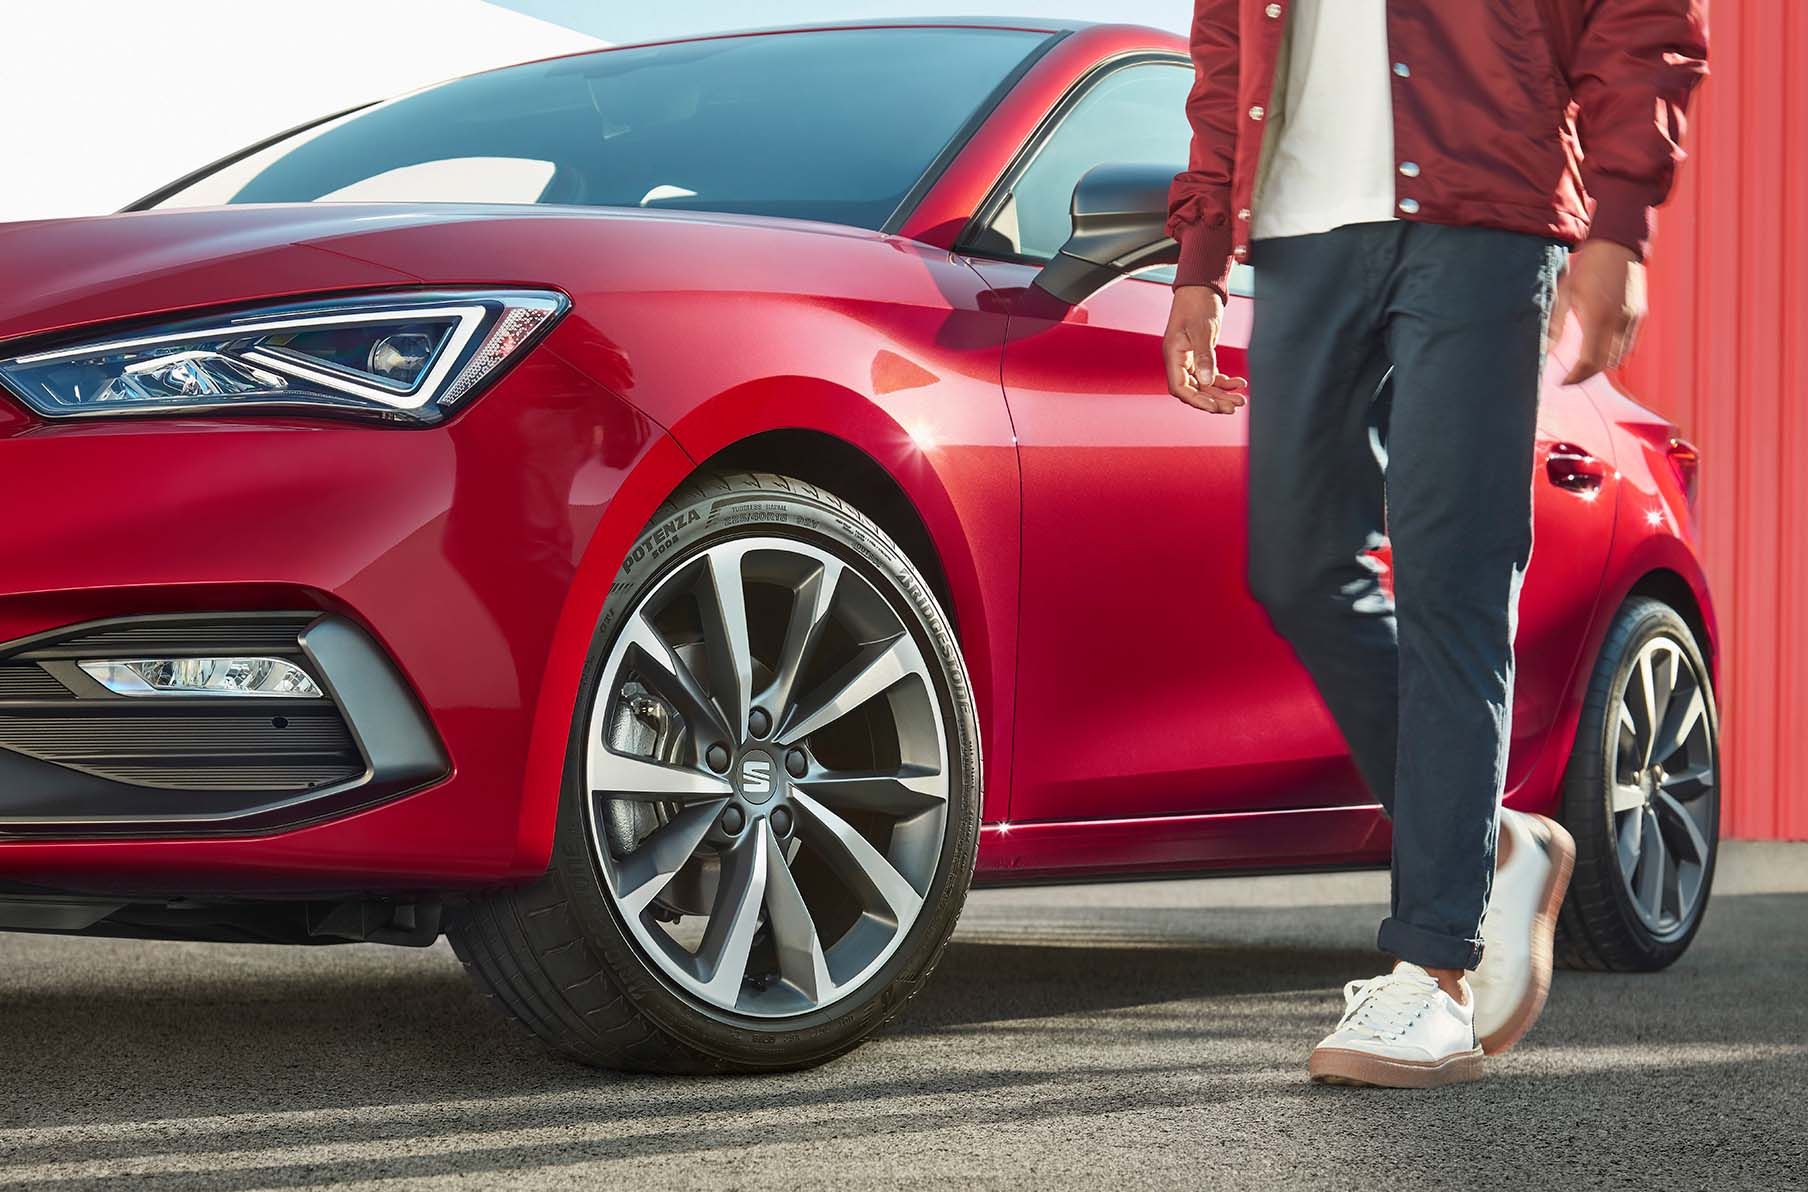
pixel 669 518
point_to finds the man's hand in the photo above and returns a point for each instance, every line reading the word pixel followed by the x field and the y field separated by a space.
pixel 1605 288
pixel 1190 349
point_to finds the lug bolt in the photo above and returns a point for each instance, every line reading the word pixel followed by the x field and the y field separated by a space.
pixel 759 722
pixel 717 758
pixel 797 763
pixel 781 820
pixel 733 820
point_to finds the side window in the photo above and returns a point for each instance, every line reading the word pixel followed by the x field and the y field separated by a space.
pixel 1136 114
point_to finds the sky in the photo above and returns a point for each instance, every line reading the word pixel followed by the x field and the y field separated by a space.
pixel 623 20
pixel 108 117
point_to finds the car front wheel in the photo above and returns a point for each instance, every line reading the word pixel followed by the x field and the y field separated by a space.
pixel 772 799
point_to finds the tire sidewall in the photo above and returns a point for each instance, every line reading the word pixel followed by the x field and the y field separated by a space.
pixel 735 507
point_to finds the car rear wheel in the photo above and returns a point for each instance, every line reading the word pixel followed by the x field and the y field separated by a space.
pixel 1642 797
pixel 772 799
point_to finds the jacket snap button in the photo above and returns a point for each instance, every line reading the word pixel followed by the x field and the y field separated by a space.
pixel 1409 169
pixel 1256 113
pixel 1273 11
pixel 1410 206
pixel 1403 70
pixel 1243 214
pixel 1240 253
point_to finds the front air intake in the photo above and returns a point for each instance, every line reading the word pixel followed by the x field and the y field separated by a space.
pixel 54 710
pixel 222 721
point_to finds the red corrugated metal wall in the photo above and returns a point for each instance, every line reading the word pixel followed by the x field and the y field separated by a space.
pixel 1725 355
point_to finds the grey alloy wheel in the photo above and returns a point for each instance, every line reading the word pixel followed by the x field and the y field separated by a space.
pixel 767 847
pixel 1664 785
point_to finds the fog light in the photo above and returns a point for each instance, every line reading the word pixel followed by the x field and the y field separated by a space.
pixel 244 678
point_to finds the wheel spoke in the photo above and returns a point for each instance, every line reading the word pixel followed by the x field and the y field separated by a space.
pixel 809 613
pixel 1666 673
pixel 800 956
pixel 734 921
pixel 668 677
pixel 901 792
pixel 1653 862
pixel 1627 796
pixel 1631 841
pixel 1688 785
pixel 876 669
pixel 731 657
pixel 1695 844
pixel 625 776
pixel 856 861
pixel 1645 707
pixel 649 869
pixel 1679 723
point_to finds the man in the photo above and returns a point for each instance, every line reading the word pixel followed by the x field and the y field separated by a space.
pixel 1404 175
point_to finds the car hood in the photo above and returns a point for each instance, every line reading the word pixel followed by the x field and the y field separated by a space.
pixel 58 274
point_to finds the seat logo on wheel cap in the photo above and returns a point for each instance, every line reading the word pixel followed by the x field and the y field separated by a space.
pixel 757 777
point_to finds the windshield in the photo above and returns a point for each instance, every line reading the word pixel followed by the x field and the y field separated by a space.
pixel 836 126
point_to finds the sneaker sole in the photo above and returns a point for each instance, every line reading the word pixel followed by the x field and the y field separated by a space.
pixel 1560 847
pixel 1336 1065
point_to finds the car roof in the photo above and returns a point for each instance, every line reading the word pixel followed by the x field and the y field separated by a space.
pixel 1025 24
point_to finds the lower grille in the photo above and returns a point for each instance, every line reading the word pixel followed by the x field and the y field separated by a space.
pixel 227 749
pixel 29 681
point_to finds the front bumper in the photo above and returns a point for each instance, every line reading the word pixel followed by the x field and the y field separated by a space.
pixel 449 558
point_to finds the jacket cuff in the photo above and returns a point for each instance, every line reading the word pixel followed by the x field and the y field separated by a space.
pixel 1624 214
pixel 1204 258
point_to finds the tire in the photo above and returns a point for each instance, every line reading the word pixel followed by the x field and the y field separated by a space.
pixel 1621 915
pixel 577 959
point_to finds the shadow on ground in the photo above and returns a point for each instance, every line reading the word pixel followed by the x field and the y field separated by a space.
pixel 1163 1046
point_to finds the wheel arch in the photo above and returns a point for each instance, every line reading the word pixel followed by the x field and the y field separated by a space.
pixel 941 480
pixel 1658 565
pixel 838 466
pixel 1671 588
pixel 851 445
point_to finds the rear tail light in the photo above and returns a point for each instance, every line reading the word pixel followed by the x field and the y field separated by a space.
pixel 1686 462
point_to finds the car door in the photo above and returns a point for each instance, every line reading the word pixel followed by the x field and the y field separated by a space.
pixel 1149 682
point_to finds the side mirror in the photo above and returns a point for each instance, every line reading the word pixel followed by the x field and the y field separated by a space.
pixel 1120 216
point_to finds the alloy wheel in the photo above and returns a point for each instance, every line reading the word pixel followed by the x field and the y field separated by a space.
pixel 1665 786
pixel 767 763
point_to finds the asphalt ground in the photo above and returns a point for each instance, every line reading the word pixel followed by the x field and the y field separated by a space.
pixel 1140 1036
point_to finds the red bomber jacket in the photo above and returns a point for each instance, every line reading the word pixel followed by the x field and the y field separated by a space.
pixel 1562 118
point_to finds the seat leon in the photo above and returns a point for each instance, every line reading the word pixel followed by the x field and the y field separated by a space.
pixel 671 518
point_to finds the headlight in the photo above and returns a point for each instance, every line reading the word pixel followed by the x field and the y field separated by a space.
pixel 401 357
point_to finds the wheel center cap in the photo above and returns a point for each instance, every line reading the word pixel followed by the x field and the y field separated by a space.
pixel 758 777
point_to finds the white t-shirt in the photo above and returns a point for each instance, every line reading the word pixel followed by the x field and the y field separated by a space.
pixel 1332 162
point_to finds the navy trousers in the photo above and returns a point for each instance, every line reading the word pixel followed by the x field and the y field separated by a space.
pixel 1394 372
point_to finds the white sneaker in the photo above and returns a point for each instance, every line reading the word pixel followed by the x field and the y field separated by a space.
pixel 1399 1031
pixel 1515 973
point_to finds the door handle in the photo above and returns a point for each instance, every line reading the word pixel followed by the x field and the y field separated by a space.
pixel 1570 467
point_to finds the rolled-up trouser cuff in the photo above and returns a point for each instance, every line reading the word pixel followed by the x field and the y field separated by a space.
pixel 1428 949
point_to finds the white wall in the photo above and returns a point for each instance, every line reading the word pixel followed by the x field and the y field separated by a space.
pixel 103 101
